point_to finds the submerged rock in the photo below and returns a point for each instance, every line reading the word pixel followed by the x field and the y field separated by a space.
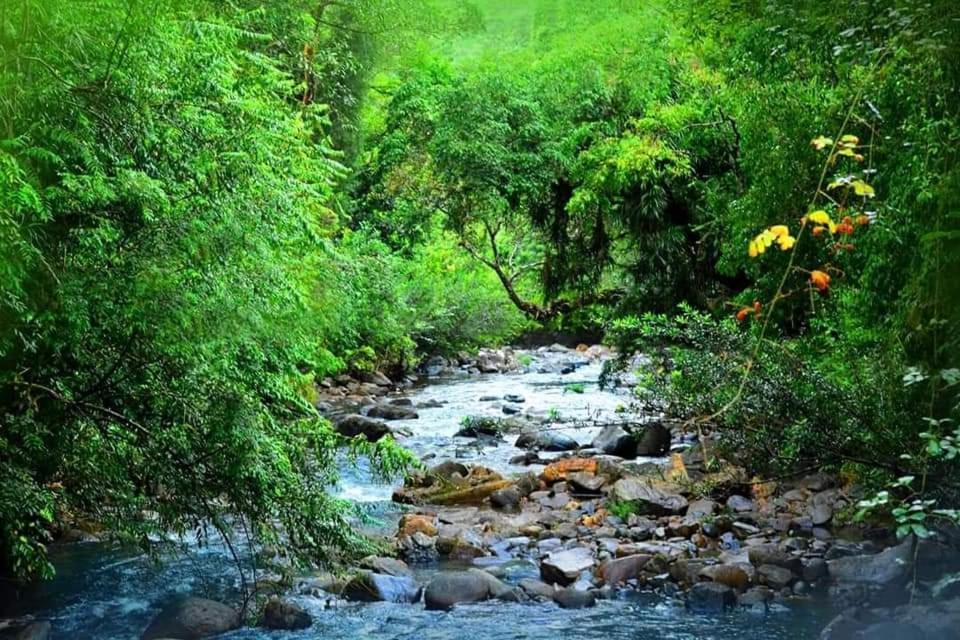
pixel 192 619
pixel 710 597
pixel 571 598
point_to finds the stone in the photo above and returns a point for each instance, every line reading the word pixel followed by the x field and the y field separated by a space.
pixel 386 566
pixel 448 588
pixel 619 570
pixel 947 587
pixel 377 378
pixel 571 598
pixel 449 470
pixel 286 615
pixel 559 470
pixel 537 589
pixel 392 412
pixel 507 498
pixel 772 554
pixel 614 440
pixel 814 569
pixel 774 577
pixel 424 523
pixel 652 499
pixel 367 586
pixel 757 596
pixel 355 425
pixel 654 440
pixel 586 482
pixel 563 567
pixel 710 597
pixel 726 574
pixel 514 397
pixel 821 514
pixel 701 508
pixel 191 619
pixel 739 504
pixel 890 566
pixel 546 441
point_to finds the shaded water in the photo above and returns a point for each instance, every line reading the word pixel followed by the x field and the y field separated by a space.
pixel 101 593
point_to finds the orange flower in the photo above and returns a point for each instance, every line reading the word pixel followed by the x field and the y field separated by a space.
pixel 818 231
pixel 820 279
pixel 845 228
pixel 743 313
pixel 863 220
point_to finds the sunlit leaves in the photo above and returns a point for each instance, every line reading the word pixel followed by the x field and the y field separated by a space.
pixel 777 234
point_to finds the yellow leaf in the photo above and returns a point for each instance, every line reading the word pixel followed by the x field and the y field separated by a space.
pixel 821 143
pixel 780 230
pixel 861 188
pixel 850 139
pixel 754 251
pixel 786 242
pixel 819 217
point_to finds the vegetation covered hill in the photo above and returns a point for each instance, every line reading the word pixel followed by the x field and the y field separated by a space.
pixel 207 207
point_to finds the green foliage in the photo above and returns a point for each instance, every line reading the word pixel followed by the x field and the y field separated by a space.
pixel 574 387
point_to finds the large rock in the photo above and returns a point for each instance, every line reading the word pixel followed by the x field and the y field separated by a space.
pixel 774 577
pixel 711 597
pixel 890 566
pixel 476 487
pixel 355 425
pixel 283 614
pixel 727 574
pixel 614 440
pixel 773 555
pixel 571 598
pixel 386 566
pixel 545 441
pixel 392 412
pixel 367 586
pixel 619 570
pixel 192 619
pixel 654 440
pixel 507 498
pixel 448 588
pixel 651 498
pixel 563 567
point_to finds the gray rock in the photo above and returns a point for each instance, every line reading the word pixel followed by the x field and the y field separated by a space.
pixel 739 504
pixel 774 577
pixel 890 566
pixel 654 440
pixel 653 500
pixel 448 588
pixel 545 441
pixel 772 554
pixel 191 619
pixel 616 441
pixel 582 482
pixel 283 614
pixel 571 598
pixel 367 586
pixel 564 567
pixel 386 566
pixel 352 426
pixel 392 412
pixel 506 498
pixel 947 587
pixel 537 589
pixel 710 597
pixel 514 397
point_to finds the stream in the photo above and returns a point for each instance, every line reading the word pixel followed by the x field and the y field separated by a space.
pixel 102 593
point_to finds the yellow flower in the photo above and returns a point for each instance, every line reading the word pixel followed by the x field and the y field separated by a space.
pixel 780 230
pixel 786 242
pixel 819 217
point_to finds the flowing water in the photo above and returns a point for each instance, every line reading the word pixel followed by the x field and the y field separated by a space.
pixel 101 593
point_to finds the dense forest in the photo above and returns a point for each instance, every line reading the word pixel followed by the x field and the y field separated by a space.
pixel 208 208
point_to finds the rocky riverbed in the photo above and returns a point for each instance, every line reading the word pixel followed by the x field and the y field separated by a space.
pixel 542 493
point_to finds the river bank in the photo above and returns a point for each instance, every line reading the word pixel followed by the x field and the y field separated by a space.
pixel 605 519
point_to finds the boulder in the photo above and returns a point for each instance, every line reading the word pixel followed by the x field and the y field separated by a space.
pixel 286 615
pixel 377 378
pixel 739 504
pixel 537 589
pixel 727 574
pixel 710 597
pixel 772 554
pixel 654 440
pixel 890 566
pixel 352 426
pixel 476 487
pixel 192 619
pixel 507 498
pixel 774 577
pixel 614 440
pixel 367 586
pixel 386 566
pixel 411 523
pixel 563 567
pixel 571 598
pixel 618 571
pixel 546 441
pixel 448 588
pixel 652 499
pixel 585 483
pixel 392 412
pixel 559 470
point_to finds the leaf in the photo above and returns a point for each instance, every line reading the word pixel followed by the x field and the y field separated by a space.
pixel 863 189
pixel 821 142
